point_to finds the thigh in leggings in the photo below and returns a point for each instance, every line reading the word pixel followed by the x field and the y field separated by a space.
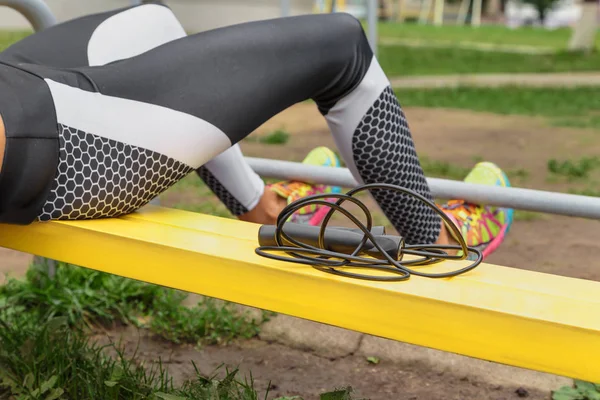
pixel 103 38
pixel 170 110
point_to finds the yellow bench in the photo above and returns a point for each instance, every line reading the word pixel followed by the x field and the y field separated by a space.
pixel 521 318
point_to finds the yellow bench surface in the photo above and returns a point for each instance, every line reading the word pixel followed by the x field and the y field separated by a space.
pixel 521 318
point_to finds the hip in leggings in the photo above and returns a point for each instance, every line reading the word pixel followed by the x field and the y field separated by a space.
pixel 129 126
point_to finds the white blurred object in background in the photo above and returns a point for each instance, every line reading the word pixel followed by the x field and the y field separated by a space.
pixel 564 13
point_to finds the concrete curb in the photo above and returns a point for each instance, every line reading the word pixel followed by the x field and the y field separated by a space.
pixel 332 342
pixel 467 45
pixel 558 80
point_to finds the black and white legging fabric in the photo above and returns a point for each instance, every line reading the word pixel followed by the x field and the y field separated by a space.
pixel 130 105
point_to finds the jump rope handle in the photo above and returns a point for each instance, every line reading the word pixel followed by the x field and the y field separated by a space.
pixel 336 239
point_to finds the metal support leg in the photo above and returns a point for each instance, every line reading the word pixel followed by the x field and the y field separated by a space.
pixel 372 17
pixel 37 12
pixel 285 8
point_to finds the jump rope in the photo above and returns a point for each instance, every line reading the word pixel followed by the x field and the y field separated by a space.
pixel 335 250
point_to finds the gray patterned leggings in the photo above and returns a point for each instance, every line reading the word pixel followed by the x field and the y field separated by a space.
pixel 136 115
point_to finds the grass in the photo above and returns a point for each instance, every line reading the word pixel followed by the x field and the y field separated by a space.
pixel 407 61
pixel 554 103
pixel 527 36
pixel 574 169
pixel 579 391
pixel 276 137
pixel 522 215
pixel 442 169
pixel 46 352
pixel 48 359
pixel 9 37
pixel 89 297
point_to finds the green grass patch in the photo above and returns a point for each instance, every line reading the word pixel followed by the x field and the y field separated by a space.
pixel 585 121
pixel 522 215
pixel 579 391
pixel 46 352
pixel 492 34
pixel 7 38
pixel 276 137
pixel 442 169
pixel 590 192
pixel 446 170
pixel 90 297
pixel 554 103
pixel 574 169
pixel 49 360
pixel 406 61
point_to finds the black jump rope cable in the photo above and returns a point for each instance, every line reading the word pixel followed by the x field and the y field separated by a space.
pixel 334 249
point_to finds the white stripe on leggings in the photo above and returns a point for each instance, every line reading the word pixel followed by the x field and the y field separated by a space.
pixel 178 135
pixel 133 32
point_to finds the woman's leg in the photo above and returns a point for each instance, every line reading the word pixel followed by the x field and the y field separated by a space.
pixel 193 98
pixel 104 38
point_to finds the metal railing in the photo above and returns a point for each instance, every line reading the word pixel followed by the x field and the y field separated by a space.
pixel 37 12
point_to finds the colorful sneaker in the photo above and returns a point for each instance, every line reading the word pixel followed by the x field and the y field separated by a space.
pixel 483 227
pixel 292 191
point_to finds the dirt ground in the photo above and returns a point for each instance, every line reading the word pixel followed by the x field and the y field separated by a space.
pixel 291 372
pixel 551 244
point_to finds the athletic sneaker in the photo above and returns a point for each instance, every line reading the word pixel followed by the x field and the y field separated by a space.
pixel 483 227
pixel 292 191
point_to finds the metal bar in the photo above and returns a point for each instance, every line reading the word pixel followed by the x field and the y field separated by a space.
pixel 516 198
pixel 372 23
pixel 476 13
pixel 285 8
pixel 522 318
pixel 438 18
pixel 37 12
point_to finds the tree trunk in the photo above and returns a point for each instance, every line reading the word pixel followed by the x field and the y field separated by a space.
pixel 542 12
pixel 584 32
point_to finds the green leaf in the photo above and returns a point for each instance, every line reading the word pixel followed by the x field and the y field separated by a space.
pixel 57 323
pixel 593 395
pixel 55 394
pixel 49 384
pixel 110 383
pixel 343 394
pixel 588 390
pixel 583 386
pixel 28 381
pixel 567 393
pixel 373 360
pixel 165 396
pixel 117 374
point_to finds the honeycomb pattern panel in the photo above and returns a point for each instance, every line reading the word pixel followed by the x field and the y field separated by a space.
pixel 100 178
pixel 232 204
pixel 384 153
